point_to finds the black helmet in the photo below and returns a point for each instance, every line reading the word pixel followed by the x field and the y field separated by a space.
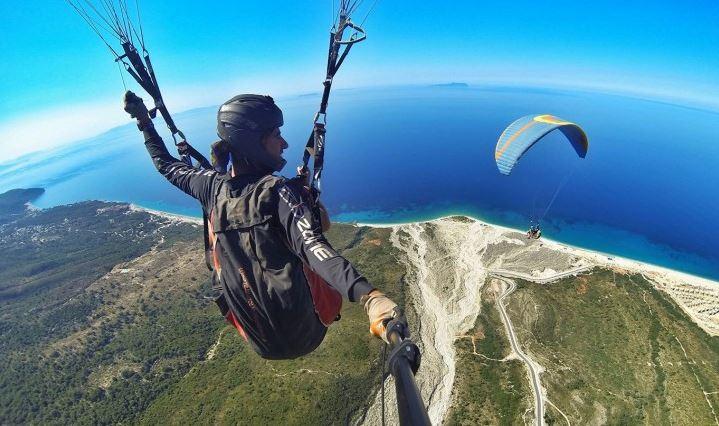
pixel 243 121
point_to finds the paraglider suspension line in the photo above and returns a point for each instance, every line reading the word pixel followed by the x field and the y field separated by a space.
pixel 368 13
pixel 557 191
pixel 122 75
pixel 533 211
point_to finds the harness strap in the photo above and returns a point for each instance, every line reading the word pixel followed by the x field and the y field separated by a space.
pixel 140 68
pixel 327 300
pixel 211 254
pixel 316 142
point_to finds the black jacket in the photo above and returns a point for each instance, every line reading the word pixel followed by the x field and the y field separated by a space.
pixel 267 246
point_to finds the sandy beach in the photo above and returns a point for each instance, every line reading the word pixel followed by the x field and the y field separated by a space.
pixel 171 216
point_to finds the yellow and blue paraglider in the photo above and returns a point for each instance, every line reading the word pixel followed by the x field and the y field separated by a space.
pixel 522 134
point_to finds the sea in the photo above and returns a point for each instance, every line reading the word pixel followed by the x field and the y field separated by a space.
pixel 647 189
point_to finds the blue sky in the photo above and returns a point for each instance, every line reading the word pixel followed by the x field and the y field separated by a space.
pixel 59 82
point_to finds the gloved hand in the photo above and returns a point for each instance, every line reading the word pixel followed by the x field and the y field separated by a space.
pixel 380 310
pixel 134 106
pixel 220 156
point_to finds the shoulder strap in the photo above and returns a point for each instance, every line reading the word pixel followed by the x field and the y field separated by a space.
pixel 254 207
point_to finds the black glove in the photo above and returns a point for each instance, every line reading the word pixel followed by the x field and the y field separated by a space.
pixel 220 156
pixel 134 106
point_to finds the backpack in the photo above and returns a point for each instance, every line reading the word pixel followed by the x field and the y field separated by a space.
pixel 274 299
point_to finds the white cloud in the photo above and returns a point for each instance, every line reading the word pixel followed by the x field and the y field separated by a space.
pixel 57 126
pixel 53 127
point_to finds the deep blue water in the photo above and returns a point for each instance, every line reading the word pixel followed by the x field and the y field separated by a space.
pixel 647 189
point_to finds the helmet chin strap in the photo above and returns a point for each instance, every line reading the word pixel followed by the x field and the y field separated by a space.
pixel 244 166
pixel 248 144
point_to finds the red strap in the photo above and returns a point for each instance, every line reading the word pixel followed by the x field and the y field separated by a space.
pixel 232 319
pixel 327 300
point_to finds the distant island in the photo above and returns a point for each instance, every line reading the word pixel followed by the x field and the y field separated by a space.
pixel 451 85
pixel 106 316
pixel 309 95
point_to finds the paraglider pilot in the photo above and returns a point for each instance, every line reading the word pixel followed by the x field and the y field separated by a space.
pixel 281 282
pixel 534 231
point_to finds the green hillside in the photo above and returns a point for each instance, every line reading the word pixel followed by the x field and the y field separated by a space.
pixel 106 316
pixel 617 351
pixel 13 202
pixel 488 389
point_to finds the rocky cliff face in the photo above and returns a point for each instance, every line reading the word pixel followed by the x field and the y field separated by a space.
pixel 448 263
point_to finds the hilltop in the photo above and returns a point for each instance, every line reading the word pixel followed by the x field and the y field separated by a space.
pixel 15 200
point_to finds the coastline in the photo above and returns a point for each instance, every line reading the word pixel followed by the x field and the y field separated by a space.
pixel 610 260
pixel 449 260
pixel 697 296
pixel 626 261
pixel 166 215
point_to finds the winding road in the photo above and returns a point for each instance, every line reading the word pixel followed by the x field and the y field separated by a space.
pixel 507 288
pixel 544 280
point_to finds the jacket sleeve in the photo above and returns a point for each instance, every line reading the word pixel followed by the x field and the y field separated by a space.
pixel 304 234
pixel 198 183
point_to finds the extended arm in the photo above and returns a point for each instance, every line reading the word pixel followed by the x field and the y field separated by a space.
pixel 305 238
pixel 197 183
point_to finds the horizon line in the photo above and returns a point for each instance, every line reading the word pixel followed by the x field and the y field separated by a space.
pixel 662 98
